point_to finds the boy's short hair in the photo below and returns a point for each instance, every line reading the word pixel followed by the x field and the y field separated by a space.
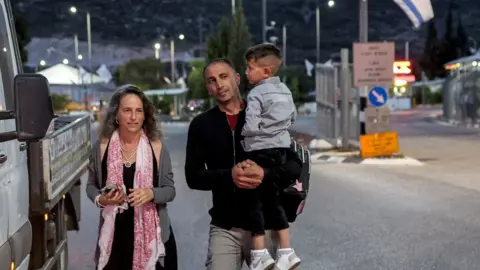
pixel 263 50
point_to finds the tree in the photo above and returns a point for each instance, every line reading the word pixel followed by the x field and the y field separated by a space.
pixel 218 44
pixel 462 39
pixel 231 41
pixel 240 40
pixel 23 37
pixel 59 102
pixel 145 73
pixel 195 81
pixel 428 60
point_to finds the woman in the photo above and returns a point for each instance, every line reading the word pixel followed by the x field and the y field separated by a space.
pixel 134 230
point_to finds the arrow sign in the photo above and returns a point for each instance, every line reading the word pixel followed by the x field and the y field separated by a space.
pixel 378 96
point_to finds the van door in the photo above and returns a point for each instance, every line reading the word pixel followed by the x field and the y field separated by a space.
pixel 13 154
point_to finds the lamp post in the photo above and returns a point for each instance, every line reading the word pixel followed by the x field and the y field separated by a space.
pixel 265 27
pixel 330 4
pixel 284 36
pixel 74 10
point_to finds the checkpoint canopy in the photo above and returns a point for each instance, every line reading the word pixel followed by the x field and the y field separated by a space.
pixel 62 74
pixel 77 83
pixel 179 97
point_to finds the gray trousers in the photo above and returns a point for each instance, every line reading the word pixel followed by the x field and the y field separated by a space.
pixel 228 249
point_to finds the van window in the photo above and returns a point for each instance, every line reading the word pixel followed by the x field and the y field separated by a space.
pixel 7 61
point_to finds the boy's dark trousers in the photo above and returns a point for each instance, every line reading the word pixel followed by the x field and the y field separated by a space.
pixel 265 210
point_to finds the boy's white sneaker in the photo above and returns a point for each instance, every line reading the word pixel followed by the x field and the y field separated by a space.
pixel 261 260
pixel 287 259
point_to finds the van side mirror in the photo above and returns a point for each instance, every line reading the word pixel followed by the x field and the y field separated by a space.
pixel 33 106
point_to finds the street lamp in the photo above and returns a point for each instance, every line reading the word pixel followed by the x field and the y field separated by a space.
pixel 65 61
pixel 79 57
pixel 331 3
pixel 265 27
pixel 157 47
pixel 74 10
pixel 172 55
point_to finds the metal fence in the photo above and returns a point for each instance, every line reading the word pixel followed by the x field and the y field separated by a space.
pixel 329 80
pixel 461 97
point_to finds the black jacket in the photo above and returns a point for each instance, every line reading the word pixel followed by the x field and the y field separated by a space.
pixel 212 151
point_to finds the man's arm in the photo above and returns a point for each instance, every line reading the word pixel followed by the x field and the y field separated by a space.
pixel 252 114
pixel 197 175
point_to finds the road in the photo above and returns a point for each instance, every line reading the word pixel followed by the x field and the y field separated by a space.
pixel 357 217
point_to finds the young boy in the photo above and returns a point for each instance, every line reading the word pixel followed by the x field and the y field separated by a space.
pixel 270 112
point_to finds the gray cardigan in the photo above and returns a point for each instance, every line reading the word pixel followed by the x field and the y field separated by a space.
pixel 163 194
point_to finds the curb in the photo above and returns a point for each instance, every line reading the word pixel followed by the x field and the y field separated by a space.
pixel 439 120
pixel 322 158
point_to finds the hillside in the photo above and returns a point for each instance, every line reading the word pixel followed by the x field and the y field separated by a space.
pixel 140 23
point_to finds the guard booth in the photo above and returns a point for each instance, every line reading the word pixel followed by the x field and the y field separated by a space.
pixel 179 99
pixel 461 90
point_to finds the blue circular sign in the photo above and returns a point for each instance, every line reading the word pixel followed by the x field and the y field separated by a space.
pixel 378 96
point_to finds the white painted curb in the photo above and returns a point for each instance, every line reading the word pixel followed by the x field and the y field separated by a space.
pixel 392 161
pixel 319 144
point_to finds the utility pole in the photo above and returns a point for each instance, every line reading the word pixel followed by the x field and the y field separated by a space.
pixel 200 30
pixel 363 37
pixel 264 21
pixel 284 32
pixel 317 12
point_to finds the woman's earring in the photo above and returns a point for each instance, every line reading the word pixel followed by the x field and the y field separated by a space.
pixel 116 121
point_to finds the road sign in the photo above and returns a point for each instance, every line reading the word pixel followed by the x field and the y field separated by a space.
pixel 379 144
pixel 377 120
pixel 372 63
pixel 378 96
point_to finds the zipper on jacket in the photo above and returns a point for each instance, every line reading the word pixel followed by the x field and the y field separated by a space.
pixel 233 143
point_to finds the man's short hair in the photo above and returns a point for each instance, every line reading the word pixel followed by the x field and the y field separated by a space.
pixel 263 50
pixel 218 60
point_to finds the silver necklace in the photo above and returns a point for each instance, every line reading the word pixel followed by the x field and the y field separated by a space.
pixel 128 164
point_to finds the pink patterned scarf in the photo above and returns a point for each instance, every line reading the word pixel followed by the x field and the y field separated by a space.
pixel 148 243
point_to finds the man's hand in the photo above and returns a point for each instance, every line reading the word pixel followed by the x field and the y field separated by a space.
pixel 242 179
pixel 252 170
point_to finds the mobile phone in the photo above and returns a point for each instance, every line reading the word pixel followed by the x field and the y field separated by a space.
pixel 108 188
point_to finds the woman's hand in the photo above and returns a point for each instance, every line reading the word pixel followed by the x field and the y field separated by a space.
pixel 114 197
pixel 140 196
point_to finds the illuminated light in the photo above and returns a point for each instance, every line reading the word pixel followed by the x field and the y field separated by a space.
pixel 45 217
pixel 80 57
pixel 4 49
pixel 63 196
pixel 454 66
pixel 12 265
pixel 475 63
pixel 400 82
pixel 402 67
pixel 408 78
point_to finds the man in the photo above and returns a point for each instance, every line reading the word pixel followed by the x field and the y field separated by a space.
pixel 215 161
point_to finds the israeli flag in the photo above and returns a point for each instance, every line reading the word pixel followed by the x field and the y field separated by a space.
pixel 418 11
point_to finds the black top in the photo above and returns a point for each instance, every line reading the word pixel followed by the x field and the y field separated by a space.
pixel 211 142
